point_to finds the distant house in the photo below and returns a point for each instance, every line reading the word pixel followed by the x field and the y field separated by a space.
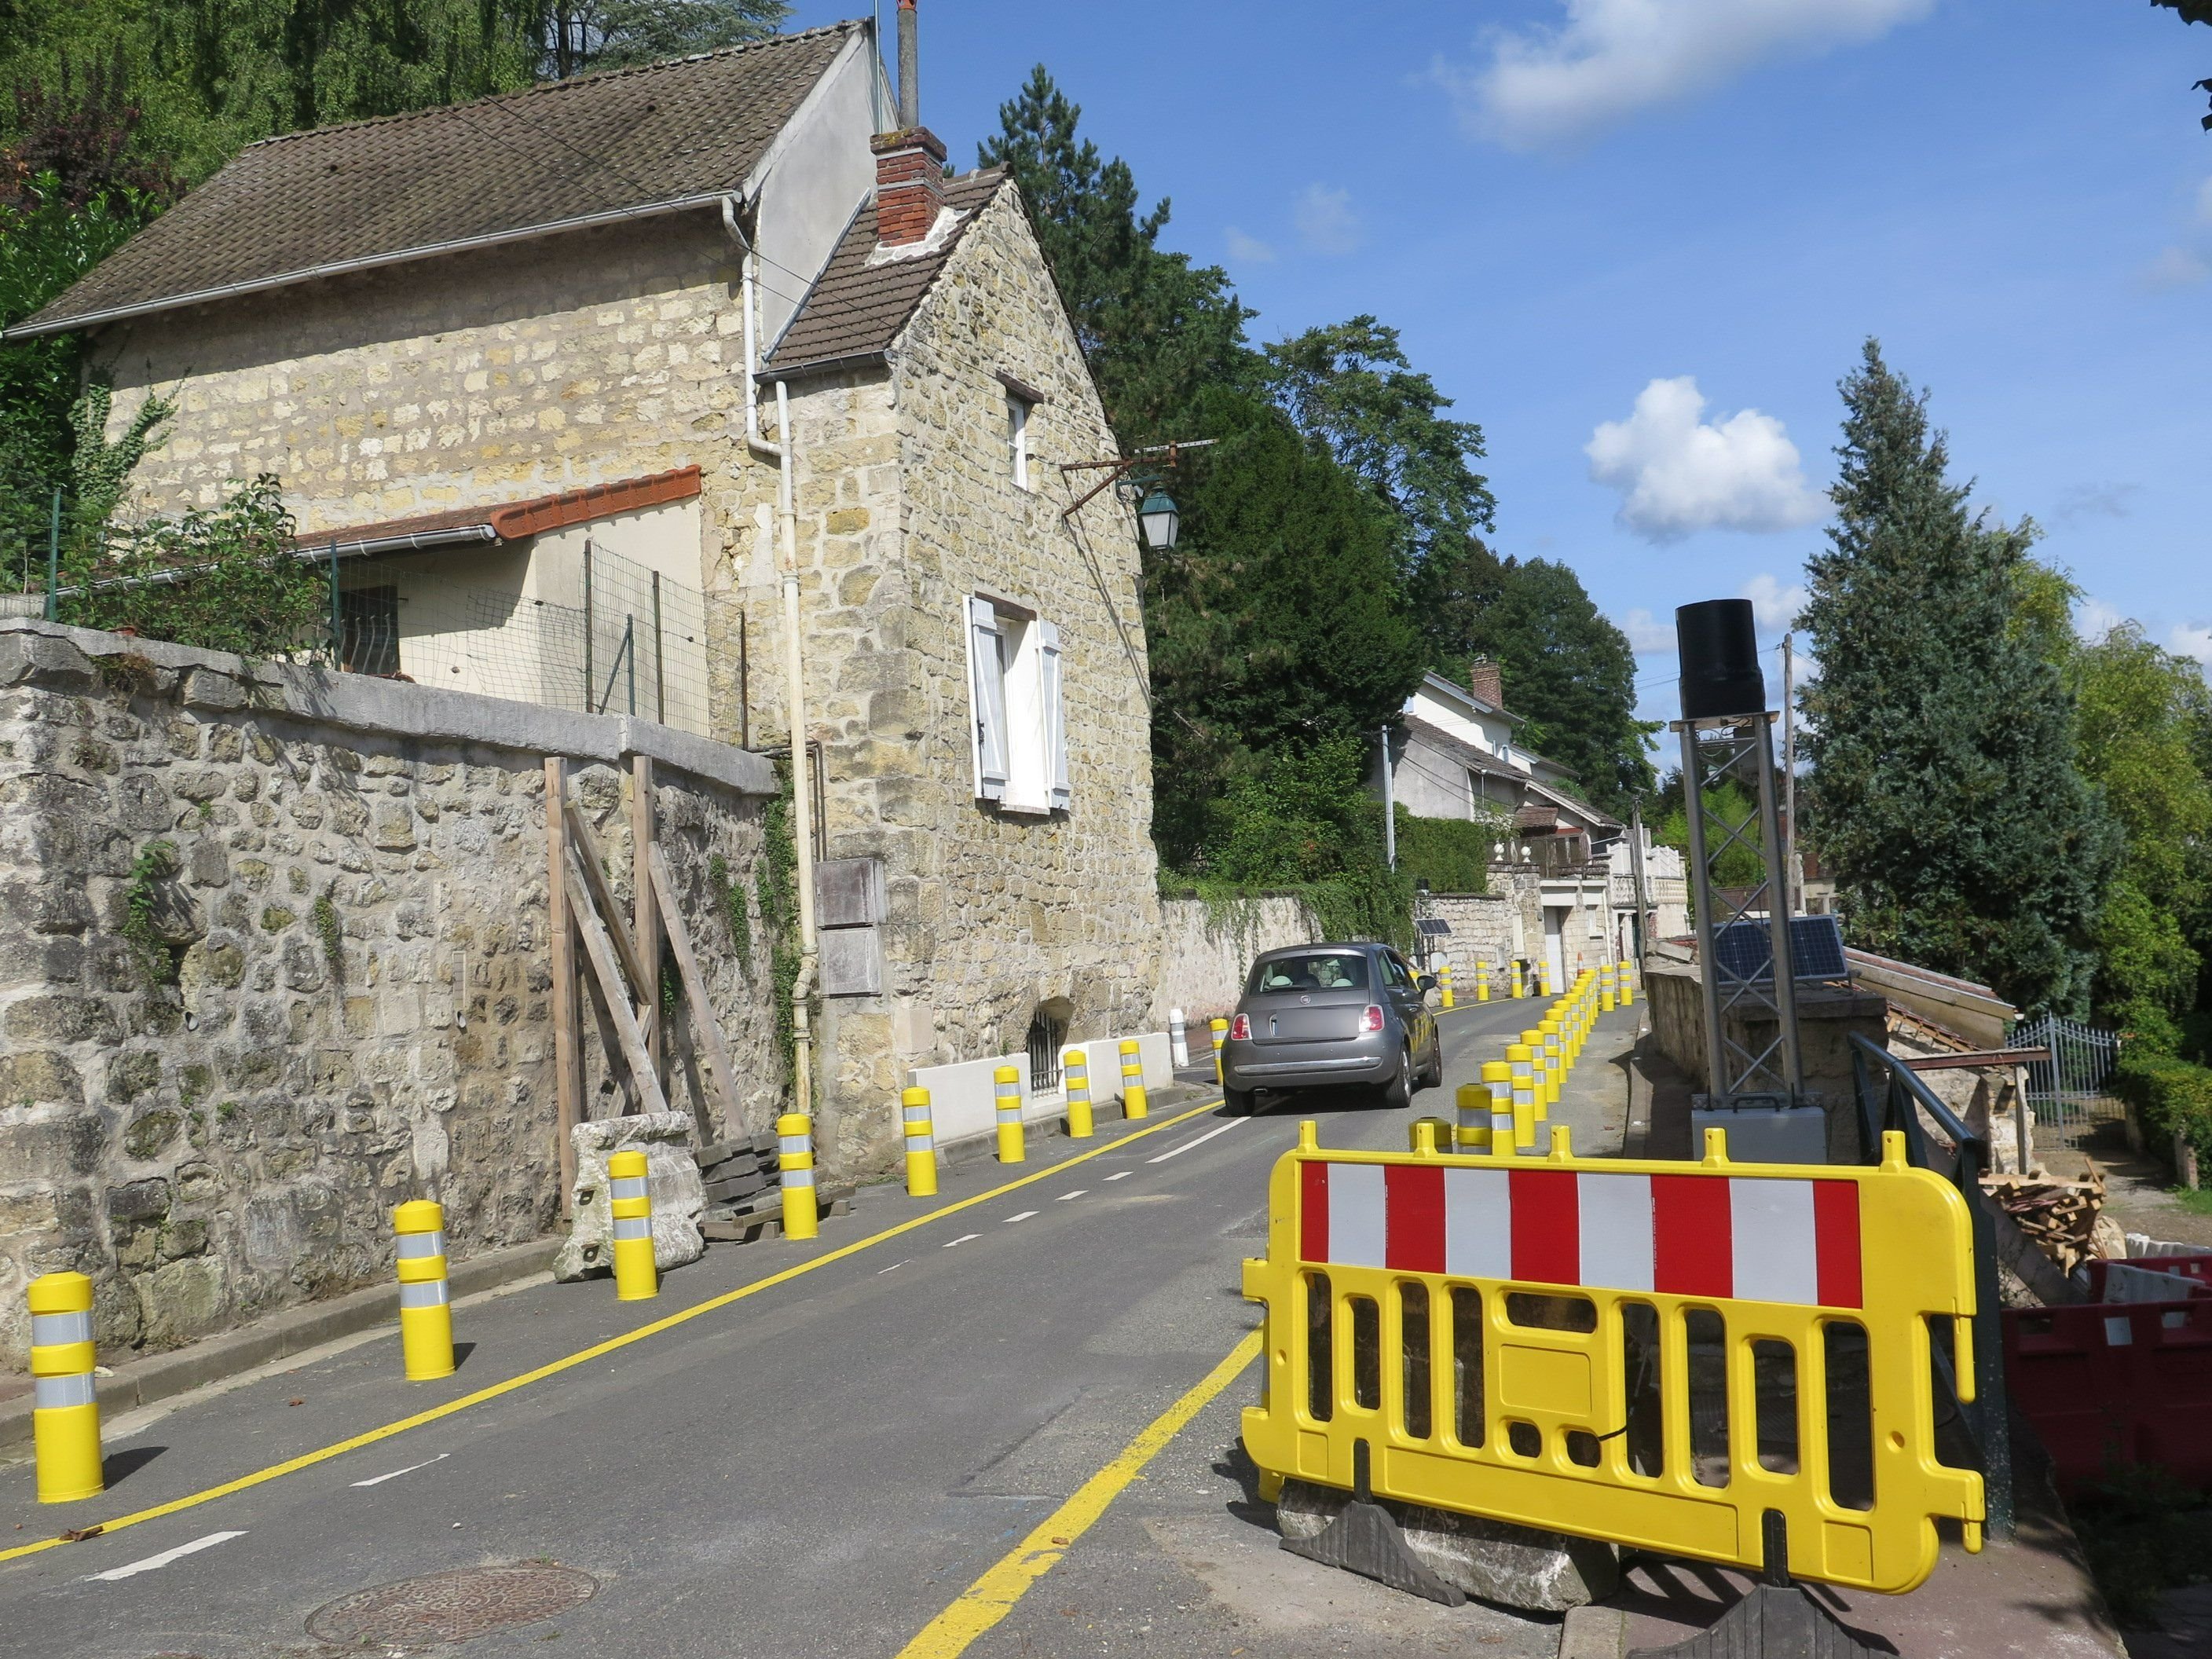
pixel 521 367
pixel 1563 867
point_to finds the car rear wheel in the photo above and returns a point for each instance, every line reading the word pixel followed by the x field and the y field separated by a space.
pixel 1432 1074
pixel 1240 1102
pixel 1398 1093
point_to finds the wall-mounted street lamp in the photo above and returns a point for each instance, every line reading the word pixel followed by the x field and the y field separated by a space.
pixel 1158 519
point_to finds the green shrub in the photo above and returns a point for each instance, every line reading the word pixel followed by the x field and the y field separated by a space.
pixel 1451 854
pixel 2170 1095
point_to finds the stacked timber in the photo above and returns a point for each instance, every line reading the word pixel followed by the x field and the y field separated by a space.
pixel 2060 1217
pixel 745 1191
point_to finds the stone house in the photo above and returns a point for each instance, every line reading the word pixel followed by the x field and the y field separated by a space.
pixel 1562 883
pixel 585 390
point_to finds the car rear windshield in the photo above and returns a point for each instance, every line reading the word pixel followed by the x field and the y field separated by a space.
pixel 1319 970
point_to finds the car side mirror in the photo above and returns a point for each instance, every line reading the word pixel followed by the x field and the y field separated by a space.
pixel 1426 981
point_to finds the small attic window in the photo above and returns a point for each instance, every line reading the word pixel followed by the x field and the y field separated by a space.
pixel 1018 438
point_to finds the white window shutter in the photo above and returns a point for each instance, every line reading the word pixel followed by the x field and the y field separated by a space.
pixel 1055 716
pixel 987 686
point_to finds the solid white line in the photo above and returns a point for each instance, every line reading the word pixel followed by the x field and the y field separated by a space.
pixel 1120 1174
pixel 1077 1192
pixel 1023 1216
pixel 1178 1151
pixel 379 1479
pixel 153 1562
pixel 963 1239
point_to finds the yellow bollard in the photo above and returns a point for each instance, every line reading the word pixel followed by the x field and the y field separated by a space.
pixel 637 1278
pixel 1520 1064
pixel 1444 985
pixel 1555 1064
pixel 1482 981
pixel 426 1309
pixel 1517 991
pixel 1075 1066
pixel 1473 1132
pixel 64 1412
pixel 920 1144
pixel 1627 986
pixel 794 1133
pixel 1007 1088
pixel 1605 1002
pixel 1133 1103
pixel 1497 1087
pixel 1220 1041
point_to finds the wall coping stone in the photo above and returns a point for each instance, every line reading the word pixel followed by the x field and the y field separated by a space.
pixel 37 650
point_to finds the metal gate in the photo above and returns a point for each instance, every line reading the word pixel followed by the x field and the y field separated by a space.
pixel 2067 1091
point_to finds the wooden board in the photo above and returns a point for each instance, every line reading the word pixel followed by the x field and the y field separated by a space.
pixel 694 990
pixel 599 951
pixel 586 846
pixel 567 1086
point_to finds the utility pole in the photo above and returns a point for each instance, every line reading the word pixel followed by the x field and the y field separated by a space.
pixel 1636 864
pixel 1793 886
pixel 1389 805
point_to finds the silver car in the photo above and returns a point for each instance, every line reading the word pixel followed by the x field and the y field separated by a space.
pixel 1332 1017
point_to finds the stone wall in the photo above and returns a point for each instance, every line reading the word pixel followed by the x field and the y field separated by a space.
pixel 223 1067
pixel 1206 949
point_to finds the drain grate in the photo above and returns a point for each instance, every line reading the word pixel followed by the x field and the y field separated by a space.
pixel 450 1607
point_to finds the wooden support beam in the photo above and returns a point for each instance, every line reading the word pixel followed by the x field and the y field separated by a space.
pixel 567 1079
pixel 646 919
pixel 586 846
pixel 598 949
pixel 694 989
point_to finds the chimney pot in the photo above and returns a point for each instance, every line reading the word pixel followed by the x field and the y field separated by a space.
pixel 909 184
pixel 909 66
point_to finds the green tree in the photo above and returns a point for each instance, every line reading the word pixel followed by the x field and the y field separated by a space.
pixel 1156 330
pixel 1563 663
pixel 602 35
pixel 1944 791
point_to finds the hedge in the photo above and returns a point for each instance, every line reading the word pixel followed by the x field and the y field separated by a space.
pixel 2170 1096
pixel 1452 854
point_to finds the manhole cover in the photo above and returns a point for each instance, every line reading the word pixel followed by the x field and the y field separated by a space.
pixel 450 1607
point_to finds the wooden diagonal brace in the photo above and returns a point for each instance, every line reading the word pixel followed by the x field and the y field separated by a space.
pixel 600 951
pixel 646 992
pixel 694 988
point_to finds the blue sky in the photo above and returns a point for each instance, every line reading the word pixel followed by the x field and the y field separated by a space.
pixel 1582 228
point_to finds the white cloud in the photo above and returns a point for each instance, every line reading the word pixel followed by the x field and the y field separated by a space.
pixel 1326 220
pixel 1647 635
pixel 1611 59
pixel 2093 501
pixel 1248 249
pixel 1774 608
pixel 2192 640
pixel 2176 267
pixel 1677 473
pixel 2093 619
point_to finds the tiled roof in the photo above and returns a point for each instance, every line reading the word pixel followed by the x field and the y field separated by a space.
pixel 374 192
pixel 509 522
pixel 857 306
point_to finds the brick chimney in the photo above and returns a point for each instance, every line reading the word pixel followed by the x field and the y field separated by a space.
pixel 909 184
pixel 1487 681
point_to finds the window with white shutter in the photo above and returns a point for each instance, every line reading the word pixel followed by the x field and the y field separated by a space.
pixel 1055 717
pixel 986 687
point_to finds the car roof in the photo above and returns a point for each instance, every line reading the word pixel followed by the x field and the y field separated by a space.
pixel 1365 947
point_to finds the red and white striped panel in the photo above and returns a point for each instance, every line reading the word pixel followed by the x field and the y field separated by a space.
pixel 1755 1238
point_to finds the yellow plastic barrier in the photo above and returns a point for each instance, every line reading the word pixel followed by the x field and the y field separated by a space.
pixel 1606 1001
pixel 794 1135
pixel 1221 1029
pixel 1444 985
pixel 1482 979
pixel 920 1143
pixel 1627 984
pixel 426 1303
pixel 1133 1103
pixel 1006 1099
pixel 637 1277
pixel 1654 1353
pixel 64 1412
pixel 1075 1075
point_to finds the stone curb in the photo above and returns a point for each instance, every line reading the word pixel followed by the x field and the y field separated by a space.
pixel 1594 1632
pixel 161 1376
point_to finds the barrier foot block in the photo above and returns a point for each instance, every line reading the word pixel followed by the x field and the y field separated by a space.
pixel 1772 1622
pixel 1364 1540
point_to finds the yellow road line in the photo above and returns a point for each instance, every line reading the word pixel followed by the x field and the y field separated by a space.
pixel 323 1455
pixel 992 1596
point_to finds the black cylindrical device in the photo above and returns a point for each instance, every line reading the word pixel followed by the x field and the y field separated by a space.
pixel 1719 648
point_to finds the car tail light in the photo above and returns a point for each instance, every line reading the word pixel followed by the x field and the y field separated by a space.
pixel 1240 1028
pixel 1371 1017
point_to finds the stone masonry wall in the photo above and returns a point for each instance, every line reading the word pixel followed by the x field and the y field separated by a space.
pixel 1206 950
pixel 339 996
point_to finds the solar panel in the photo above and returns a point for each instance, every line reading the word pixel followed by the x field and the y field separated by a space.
pixel 1432 925
pixel 1744 950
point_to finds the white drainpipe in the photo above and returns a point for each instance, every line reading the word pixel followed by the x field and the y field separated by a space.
pixel 782 451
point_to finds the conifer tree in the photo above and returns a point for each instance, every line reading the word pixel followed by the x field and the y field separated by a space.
pixel 1944 791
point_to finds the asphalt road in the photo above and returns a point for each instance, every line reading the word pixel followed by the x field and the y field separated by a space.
pixel 823 1464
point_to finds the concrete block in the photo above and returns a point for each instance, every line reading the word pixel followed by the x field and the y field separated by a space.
pixel 1516 1566
pixel 673 1181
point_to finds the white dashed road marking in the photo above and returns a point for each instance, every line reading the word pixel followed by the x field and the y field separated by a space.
pixel 1178 1152
pixel 1077 1192
pixel 963 1239
pixel 379 1479
pixel 154 1562
pixel 1120 1174
pixel 1023 1216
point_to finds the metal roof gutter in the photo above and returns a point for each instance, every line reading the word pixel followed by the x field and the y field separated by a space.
pixel 366 262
